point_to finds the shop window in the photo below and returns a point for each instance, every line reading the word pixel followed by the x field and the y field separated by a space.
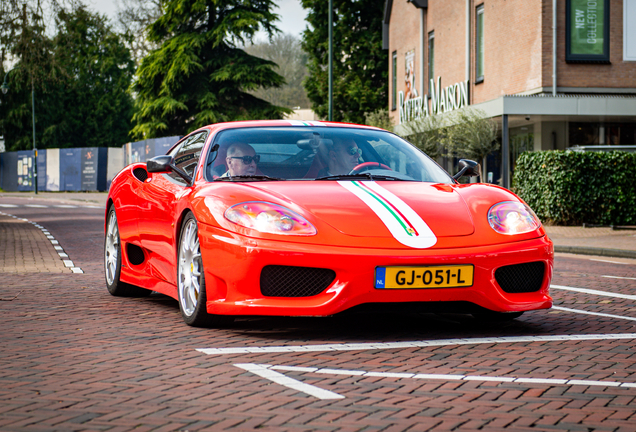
pixel 594 134
pixel 629 31
pixel 479 45
pixel 431 58
pixel 394 81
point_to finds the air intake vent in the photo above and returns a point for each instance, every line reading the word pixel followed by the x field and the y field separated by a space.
pixel 135 254
pixel 140 173
pixel 286 281
pixel 521 278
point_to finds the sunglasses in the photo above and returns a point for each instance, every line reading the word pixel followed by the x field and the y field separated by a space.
pixel 248 159
pixel 355 151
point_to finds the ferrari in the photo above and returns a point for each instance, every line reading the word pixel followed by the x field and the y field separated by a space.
pixel 294 218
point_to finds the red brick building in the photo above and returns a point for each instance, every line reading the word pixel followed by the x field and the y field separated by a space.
pixel 550 83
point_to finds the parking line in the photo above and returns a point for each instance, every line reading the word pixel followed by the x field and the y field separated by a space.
pixel 619 277
pixel 413 344
pixel 269 372
pixel 595 292
pixel 264 372
pixel 579 311
pixel 607 261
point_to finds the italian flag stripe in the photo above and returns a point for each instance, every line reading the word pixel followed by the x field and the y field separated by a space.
pixel 409 229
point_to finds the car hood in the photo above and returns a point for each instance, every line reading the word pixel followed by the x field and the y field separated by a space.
pixel 380 209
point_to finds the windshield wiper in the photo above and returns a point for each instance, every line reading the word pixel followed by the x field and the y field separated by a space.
pixel 248 178
pixel 364 175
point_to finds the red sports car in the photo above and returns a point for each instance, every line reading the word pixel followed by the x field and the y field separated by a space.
pixel 314 218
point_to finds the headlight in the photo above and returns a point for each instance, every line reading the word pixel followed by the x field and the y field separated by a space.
pixel 269 218
pixel 511 217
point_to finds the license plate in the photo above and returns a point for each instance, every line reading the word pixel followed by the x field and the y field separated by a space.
pixel 424 277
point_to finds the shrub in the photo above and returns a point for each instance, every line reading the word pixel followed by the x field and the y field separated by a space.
pixel 571 188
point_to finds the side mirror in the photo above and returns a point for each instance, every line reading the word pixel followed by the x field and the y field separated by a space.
pixel 159 164
pixel 468 168
pixel 165 164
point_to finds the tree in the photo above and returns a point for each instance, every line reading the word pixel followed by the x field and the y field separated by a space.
pixel 379 118
pixel 360 67
pixel 199 75
pixel 465 133
pixel 472 136
pixel 93 105
pixel 285 51
pixel 428 134
pixel 81 87
pixel 134 17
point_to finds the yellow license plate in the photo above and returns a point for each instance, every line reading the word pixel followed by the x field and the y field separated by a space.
pixel 424 277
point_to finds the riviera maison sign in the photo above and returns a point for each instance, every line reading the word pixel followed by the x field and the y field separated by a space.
pixel 442 100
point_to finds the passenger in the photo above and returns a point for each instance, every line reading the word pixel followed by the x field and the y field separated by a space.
pixel 342 157
pixel 241 160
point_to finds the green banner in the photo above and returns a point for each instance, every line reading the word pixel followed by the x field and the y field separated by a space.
pixel 587 27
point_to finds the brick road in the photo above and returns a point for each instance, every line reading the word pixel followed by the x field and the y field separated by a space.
pixel 75 358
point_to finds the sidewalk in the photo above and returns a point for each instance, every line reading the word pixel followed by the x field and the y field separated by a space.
pixel 605 241
pixel 23 248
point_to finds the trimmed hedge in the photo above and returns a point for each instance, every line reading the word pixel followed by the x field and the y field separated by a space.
pixel 571 188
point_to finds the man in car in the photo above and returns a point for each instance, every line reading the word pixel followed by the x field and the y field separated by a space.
pixel 342 156
pixel 241 160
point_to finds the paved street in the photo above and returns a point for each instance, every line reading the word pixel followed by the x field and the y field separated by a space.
pixel 75 358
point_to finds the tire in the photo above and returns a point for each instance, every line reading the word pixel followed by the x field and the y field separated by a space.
pixel 191 279
pixel 496 317
pixel 112 262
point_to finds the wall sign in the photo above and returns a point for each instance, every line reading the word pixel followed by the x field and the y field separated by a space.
pixel 587 31
pixel 443 99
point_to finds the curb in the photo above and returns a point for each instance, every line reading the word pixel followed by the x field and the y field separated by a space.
pixel 615 253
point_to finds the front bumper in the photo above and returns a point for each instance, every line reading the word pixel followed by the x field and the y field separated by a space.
pixel 233 265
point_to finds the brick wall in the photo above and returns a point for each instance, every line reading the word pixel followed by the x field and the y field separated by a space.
pixel 518 47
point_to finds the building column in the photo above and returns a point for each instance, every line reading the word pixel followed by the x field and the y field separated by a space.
pixel 505 152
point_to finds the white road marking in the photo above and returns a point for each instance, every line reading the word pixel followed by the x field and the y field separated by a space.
pixel 619 277
pixel 36 206
pixel 279 378
pixel 65 206
pixel 267 372
pixel 414 344
pixel 607 261
pixel 67 263
pixel 593 313
pixel 595 292
pixel 8 205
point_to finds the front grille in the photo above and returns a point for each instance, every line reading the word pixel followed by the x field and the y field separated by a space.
pixel 286 281
pixel 140 173
pixel 521 278
pixel 135 254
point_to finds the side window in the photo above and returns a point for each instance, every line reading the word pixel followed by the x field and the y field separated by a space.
pixel 187 156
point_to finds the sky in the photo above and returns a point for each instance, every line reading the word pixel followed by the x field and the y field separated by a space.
pixel 292 15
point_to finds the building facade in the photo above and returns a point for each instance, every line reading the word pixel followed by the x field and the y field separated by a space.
pixel 555 74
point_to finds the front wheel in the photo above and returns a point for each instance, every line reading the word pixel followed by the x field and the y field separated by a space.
pixel 191 279
pixel 112 261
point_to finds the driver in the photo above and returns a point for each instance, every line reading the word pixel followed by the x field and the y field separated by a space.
pixel 342 157
pixel 241 160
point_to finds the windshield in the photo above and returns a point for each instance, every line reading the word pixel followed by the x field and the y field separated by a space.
pixel 317 153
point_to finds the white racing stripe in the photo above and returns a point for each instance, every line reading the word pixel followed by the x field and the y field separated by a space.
pixel 269 372
pixel 593 313
pixel 595 292
pixel 264 372
pixel 413 344
pixel 404 224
